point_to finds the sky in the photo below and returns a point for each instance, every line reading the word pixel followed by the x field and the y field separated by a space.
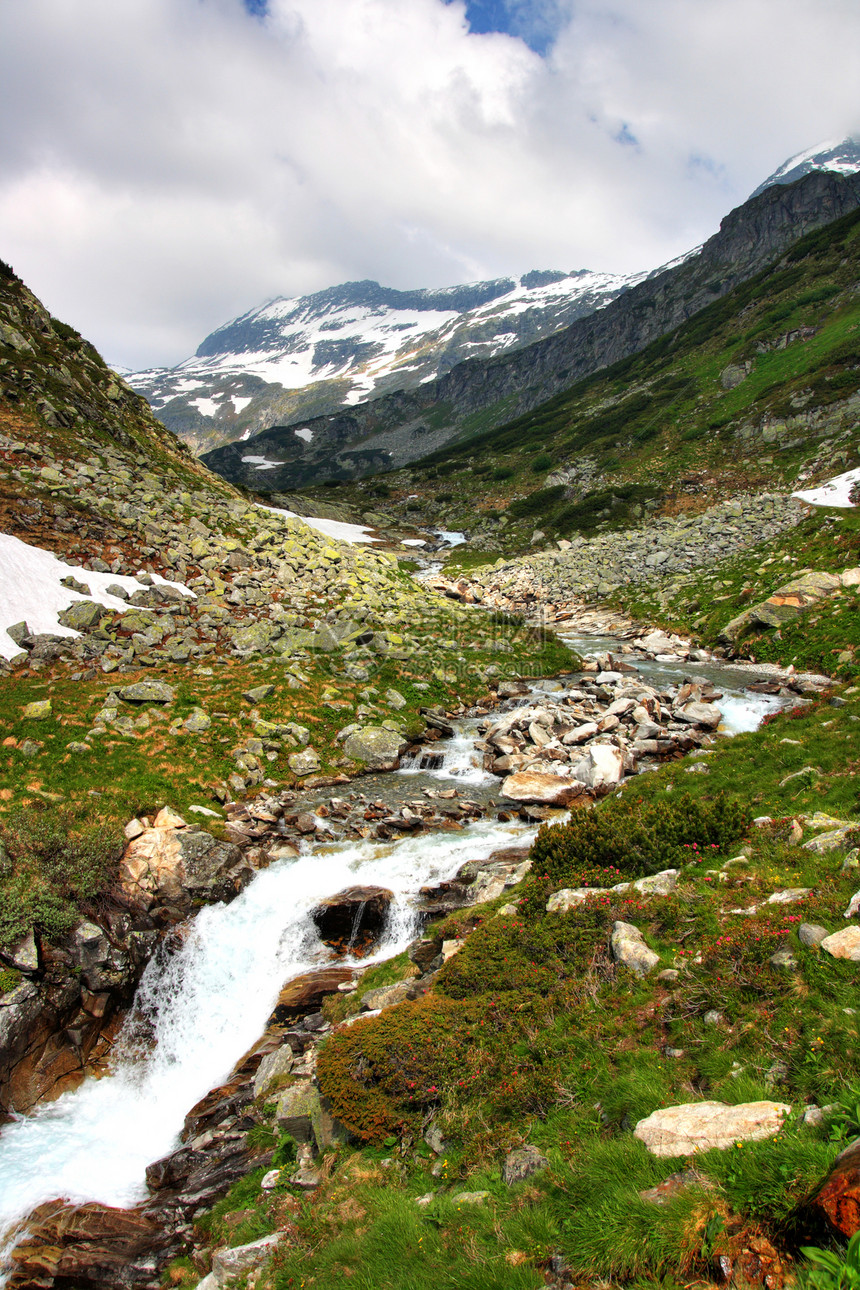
pixel 166 165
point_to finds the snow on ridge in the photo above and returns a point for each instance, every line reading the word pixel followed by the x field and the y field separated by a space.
pixel 31 590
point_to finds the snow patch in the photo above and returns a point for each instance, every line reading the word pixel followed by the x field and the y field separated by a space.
pixel 239 403
pixel 305 434
pixel 351 533
pixel 262 463
pixel 31 590
pixel 206 407
pixel 836 492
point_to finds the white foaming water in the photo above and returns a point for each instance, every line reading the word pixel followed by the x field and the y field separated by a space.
pixel 198 1011
pixel 746 711
pixel 461 760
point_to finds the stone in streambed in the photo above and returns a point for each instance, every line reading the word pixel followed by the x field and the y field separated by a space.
pixel 541 789
pixel 353 918
pixel 601 767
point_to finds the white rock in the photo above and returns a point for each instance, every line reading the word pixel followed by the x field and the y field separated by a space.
pixel 705 1126
pixel 853 906
pixel 271 1067
pixel 844 944
pixel 788 896
pixel 228 1264
pixel 658 884
pixel 544 789
pixel 602 766
pixel 568 898
pixel 629 949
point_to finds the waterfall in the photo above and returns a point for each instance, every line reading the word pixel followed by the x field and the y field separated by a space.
pixel 198 1010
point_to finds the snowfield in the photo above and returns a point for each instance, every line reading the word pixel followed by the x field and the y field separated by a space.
pixel 836 492
pixel 336 529
pixel 31 591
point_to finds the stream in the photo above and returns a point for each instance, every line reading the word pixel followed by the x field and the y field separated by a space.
pixel 198 1010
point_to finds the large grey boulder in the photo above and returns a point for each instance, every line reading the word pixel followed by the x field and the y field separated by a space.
pixel 706 1126
pixel 379 749
pixel 148 692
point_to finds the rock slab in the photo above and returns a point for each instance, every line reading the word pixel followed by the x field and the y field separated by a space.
pixel 708 1126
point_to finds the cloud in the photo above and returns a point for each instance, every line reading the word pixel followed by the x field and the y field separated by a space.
pixel 166 164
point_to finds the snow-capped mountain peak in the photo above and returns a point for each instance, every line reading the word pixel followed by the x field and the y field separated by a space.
pixel 307 355
pixel 842 157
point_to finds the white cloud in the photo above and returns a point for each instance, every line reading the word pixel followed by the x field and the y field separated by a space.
pixel 165 164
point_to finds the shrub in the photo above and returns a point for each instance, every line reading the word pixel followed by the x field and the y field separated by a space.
pixel 635 838
pixel 503 472
pixel 56 864
pixel 540 502
pixel 542 461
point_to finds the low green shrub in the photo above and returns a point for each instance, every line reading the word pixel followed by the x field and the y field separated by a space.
pixel 635 838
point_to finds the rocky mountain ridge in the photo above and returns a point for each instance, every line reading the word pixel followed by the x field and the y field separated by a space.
pixel 302 357
pixel 480 394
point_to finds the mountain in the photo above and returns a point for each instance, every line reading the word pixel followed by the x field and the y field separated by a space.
pixel 841 158
pixel 481 393
pixel 311 355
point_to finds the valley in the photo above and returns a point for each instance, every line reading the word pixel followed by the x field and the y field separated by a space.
pixel 379 909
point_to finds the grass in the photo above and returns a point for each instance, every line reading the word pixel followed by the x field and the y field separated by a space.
pixel 532 1033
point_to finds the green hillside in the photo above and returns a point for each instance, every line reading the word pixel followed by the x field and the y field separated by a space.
pixel 757 391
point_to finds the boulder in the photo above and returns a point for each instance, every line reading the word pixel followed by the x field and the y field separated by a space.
pixel 385 997
pixel 273 1066
pixel 832 840
pixel 844 944
pixel 298 1107
pixel 228 1265
pixel 147 692
pixel 601 767
pixel 39 710
pixel 171 864
pixel 629 949
pixel 306 762
pixel 82 615
pixel 700 714
pixel 305 993
pixel 354 919
pixel 540 788
pixel 839 1198
pixel 379 749
pixel 706 1126
pixel 569 897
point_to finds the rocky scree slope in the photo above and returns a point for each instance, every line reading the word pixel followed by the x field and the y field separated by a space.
pixel 310 356
pixel 480 394
pixel 235 651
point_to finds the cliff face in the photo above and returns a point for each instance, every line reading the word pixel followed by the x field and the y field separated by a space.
pixel 480 394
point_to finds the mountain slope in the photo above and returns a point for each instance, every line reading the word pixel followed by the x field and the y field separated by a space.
pixel 303 357
pixel 760 391
pixel 481 393
pixel 841 158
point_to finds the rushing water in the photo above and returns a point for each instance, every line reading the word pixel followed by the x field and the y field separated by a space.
pixel 202 1008
pixel 198 1010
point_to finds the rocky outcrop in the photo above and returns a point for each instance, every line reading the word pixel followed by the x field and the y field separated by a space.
pixel 406 425
pixel 354 920
pixel 839 1198
pixel 788 602
pixel 171 868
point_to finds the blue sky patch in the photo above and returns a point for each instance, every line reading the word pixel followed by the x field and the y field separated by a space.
pixel 256 7
pixel 536 22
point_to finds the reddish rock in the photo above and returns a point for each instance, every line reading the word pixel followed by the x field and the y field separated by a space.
pixel 84 1246
pixel 306 992
pixel 839 1198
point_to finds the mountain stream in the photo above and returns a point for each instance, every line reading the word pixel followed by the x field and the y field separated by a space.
pixel 198 1010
